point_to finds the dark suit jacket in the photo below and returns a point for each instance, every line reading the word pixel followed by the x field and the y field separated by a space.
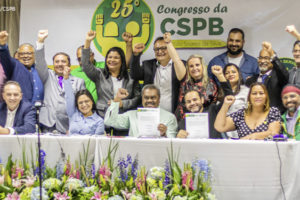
pixel 278 78
pixel 147 73
pixel 16 71
pixel 25 118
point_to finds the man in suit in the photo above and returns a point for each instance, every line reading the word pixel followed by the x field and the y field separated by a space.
pixel 53 115
pixel 16 116
pixel 165 71
pixel 22 70
pixel 273 75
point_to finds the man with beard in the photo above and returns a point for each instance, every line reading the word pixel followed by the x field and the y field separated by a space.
pixel 22 70
pixel 291 118
pixel 235 54
pixel 165 71
pixel 129 119
pixel 273 75
pixel 295 72
pixel 194 104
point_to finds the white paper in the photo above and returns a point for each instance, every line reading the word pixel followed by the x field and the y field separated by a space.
pixel 197 125
pixel 148 121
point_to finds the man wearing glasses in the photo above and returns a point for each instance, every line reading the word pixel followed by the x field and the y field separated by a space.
pixel 165 71
pixel 22 70
pixel 273 75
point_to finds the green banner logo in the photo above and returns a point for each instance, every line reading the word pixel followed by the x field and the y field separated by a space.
pixel 114 17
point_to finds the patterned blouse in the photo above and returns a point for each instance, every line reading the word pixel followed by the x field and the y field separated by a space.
pixel 210 94
pixel 242 128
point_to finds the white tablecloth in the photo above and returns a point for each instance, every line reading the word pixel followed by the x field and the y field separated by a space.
pixel 242 170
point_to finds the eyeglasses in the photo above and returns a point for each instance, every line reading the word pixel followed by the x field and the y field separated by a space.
pixel 264 58
pixel 160 48
pixel 25 53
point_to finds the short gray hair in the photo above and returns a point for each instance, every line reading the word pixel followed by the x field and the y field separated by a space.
pixel 151 87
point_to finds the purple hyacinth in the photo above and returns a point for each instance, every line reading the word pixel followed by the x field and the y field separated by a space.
pixel 167 180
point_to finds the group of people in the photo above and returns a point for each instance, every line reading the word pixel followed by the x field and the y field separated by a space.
pixel 244 97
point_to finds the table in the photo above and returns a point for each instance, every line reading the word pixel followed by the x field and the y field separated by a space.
pixel 241 169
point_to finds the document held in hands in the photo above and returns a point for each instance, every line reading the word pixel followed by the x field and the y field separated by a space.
pixel 148 121
pixel 196 125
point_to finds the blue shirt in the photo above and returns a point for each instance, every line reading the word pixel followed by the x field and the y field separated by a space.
pixel 91 125
pixel 248 65
pixel 38 87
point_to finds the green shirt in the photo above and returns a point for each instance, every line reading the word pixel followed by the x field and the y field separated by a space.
pixel 129 120
pixel 90 85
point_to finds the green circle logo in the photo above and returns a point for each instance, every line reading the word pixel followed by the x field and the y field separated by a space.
pixel 114 17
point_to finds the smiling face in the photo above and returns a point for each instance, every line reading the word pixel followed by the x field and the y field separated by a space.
pixel 113 61
pixel 150 98
pixel 264 61
pixel 60 62
pixel 195 68
pixel 85 105
pixel 26 55
pixel 291 101
pixel 258 96
pixel 232 74
pixel 193 102
pixel 161 52
pixel 235 43
pixel 12 96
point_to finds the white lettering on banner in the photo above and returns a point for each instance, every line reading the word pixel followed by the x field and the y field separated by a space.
pixel 7 8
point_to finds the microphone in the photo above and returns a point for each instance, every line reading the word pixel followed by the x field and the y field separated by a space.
pixel 38 104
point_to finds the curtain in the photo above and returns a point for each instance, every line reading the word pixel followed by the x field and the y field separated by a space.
pixel 10 21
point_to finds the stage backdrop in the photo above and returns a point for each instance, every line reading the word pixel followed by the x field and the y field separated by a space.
pixel 197 26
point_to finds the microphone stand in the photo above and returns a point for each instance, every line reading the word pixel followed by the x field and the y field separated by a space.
pixel 38 105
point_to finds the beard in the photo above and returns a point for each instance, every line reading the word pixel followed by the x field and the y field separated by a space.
pixel 238 51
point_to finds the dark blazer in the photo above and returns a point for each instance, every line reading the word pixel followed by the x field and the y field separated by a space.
pixel 147 73
pixel 16 71
pixel 104 86
pixel 277 79
pixel 25 118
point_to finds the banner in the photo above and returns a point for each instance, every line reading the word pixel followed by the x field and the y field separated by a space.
pixel 197 26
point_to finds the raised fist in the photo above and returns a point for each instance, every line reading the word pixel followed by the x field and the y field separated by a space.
pixel 138 48
pixel 268 47
pixel 167 37
pixel 229 100
pixel 122 94
pixel 292 30
pixel 90 35
pixel 42 35
pixel 3 37
pixel 217 70
pixel 127 37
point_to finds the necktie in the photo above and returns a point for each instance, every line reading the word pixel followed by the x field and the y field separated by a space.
pixel 263 77
pixel 60 81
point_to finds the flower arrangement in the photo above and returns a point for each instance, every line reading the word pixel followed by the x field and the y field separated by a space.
pixel 123 180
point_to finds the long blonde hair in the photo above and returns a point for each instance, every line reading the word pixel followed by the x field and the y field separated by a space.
pixel 205 78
